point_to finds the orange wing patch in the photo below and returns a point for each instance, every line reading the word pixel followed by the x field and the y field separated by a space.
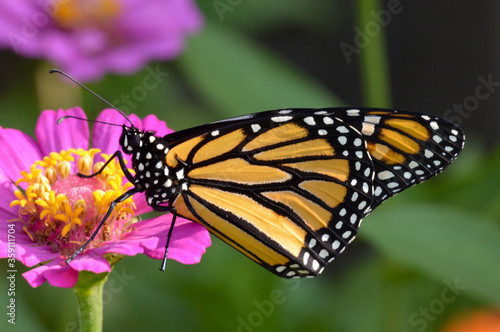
pixel 311 213
pixel 252 247
pixel 335 168
pixel 410 127
pixel 385 154
pixel 329 192
pixel 315 147
pixel 182 150
pixel 283 133
pixel 277 227
pixel 219 146
pixel 183 210
pixel 239 171
pixel 400 141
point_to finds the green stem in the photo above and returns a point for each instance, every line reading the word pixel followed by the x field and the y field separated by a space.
pixel 88 292
pixel 374 67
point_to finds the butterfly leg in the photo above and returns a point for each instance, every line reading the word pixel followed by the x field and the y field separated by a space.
pixel 113 204
pixel 173 210
pixel 119 155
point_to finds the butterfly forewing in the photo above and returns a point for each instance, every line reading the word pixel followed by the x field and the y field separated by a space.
pixel 289 188
pixel 407 148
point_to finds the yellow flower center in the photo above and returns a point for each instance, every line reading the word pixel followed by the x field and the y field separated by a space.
pixel 61 209
pixel 86 13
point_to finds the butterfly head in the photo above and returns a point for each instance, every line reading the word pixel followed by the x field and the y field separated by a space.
pixel 131 139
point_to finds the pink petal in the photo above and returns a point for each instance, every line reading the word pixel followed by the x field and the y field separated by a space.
pixel 21 149
pixel 71 133
pixel 188 243
pixel 30 253
pixel 141 204
pixel 152 123
pixel 129 248
pixel 107 137
pixel 8 188
pixel 57 273
pixel 25 250
pixel 91 261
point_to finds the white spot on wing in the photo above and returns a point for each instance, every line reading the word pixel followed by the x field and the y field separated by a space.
pixel 346 234
pixel 437 139
pixel 368 129
pixel 312 243
pixel 327 120
pixel 413 164
pixel 372 119
pixel 281 118
pixel 342 129
pixel 255 128
pixel 309 120
pixel 306 258
pixel 323 253
pixel 385 175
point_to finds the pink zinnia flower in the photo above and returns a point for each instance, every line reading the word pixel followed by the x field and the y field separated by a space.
pixel 89 38
pixel 51 212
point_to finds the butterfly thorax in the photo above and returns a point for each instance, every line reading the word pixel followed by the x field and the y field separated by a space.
pixel 152 174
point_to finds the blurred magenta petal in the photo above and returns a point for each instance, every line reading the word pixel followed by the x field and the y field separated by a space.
pixel 151 123
pixel 105 136
pixel 71 133
pixel 122 40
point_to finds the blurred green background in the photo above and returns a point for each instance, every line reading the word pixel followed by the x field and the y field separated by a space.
pixel 421 259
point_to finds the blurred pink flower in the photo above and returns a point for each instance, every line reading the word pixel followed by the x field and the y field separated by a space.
pixel 89 38
pixel 51 211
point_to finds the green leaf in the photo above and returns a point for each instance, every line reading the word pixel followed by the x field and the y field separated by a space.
pixel 236 76
pixel 443 242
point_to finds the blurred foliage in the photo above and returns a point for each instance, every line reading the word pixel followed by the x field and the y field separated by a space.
pixel 421 258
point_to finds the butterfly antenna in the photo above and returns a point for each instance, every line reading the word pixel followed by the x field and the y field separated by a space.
pixel 61 119
pixel 92 92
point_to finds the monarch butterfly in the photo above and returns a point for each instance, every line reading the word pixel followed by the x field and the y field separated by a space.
pixel 287 188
